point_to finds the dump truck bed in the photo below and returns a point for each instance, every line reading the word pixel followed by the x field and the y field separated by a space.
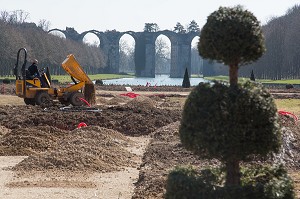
pixel 73 68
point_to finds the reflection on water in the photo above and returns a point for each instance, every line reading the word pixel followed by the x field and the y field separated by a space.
pixel 159 80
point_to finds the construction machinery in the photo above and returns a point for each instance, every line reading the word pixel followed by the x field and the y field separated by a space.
pixel 40 90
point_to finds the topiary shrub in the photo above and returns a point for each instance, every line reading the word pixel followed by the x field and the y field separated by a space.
pixel 230 124
pixel 187 182
pixel 289 86
pixel 252 77
pixel 257 183
pixel 233 36
pixel 6 81
pixel 99 82
pixel 275 180
pixel 186 80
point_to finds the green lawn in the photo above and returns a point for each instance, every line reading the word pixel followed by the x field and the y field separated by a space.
pixel 289 105
pixel 67 78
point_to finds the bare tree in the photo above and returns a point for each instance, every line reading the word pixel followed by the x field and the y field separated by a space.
pixel 4 16
pixel 18 17
pixel 282 43
pixel 162 56
pixel 126 57
pixel 196 62
pixel 44 24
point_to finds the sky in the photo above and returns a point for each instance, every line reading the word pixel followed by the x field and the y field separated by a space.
pixel 125 15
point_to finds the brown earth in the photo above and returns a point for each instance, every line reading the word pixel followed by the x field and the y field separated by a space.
pixel 126 150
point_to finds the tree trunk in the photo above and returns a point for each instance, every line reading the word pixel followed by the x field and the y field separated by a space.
pixel 233 75
pixel 233 173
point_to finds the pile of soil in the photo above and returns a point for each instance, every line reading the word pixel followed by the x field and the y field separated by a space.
pixel 133 119
pixel 51 139
pixel 85 149
pixel 115 100
pixel 142 104
pixel 30 140
pixel 289 154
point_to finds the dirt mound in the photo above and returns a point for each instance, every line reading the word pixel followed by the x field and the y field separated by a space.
pixel 117 100
pixel 31 140
pixel 134 119
pixel 142 103
pixel 88 149
pixel 142 117
pixel 289 154
pixel 163 153
pixel 171 104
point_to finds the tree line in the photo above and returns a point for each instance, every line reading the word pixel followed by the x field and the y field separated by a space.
pixel 281 60
pixel 48 49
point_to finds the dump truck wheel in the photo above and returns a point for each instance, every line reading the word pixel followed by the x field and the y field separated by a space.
pixel 42 98
pixel 29 101
pixel 75 99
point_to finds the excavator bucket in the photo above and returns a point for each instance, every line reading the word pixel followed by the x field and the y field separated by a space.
pixel 73 68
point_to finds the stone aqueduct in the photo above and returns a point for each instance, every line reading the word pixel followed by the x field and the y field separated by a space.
pixel 144 49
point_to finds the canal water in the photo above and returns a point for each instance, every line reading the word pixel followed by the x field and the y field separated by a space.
pixel 159 80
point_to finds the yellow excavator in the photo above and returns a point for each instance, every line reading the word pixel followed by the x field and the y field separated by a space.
pixel 39 91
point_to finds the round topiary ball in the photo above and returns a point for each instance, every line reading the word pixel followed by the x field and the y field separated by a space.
pixel 223 122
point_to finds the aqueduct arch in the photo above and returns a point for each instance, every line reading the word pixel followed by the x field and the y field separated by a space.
pixel 144 49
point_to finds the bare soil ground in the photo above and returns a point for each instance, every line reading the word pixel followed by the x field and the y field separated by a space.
pixel 126 150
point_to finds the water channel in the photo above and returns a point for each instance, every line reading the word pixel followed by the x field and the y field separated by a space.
pixel 159 80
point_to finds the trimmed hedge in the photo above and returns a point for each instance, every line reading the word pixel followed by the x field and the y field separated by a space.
pixel 257 183
pixel 6 81
pixel 99 82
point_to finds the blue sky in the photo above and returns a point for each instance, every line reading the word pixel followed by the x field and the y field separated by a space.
pixel 124 15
